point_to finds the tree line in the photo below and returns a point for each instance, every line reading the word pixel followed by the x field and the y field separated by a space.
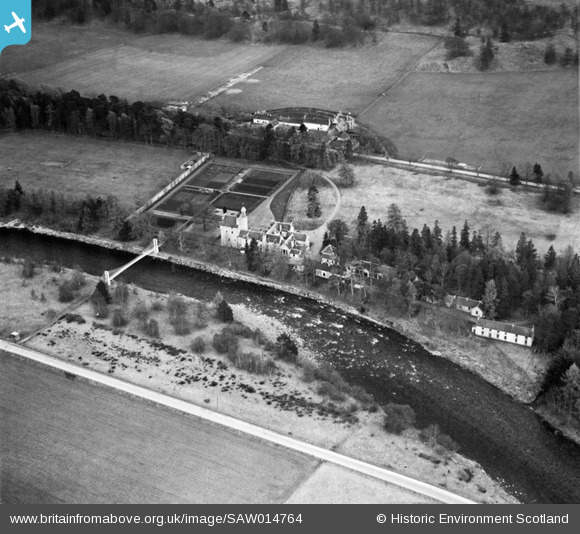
pixel 110 117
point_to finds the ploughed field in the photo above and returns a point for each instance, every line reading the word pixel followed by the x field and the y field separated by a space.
pixel 156 67
pixel 81 443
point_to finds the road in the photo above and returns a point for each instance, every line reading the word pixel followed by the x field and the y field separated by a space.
pixel 317 235
pixel 242 426
pixel 416 165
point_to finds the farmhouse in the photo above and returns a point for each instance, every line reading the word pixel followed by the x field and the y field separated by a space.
pixel 504 332
pixel 464 304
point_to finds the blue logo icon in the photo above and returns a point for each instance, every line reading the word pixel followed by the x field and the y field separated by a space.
pixel 15 22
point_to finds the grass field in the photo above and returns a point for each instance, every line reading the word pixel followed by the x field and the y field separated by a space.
pixel 97 60
pixel 69 441
pixel 424 199
pixel 336 79
pixel 80 166
pixel 494 120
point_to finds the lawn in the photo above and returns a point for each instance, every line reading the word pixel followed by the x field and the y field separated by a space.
pixel 298 205
pixel 155 67
pixel 423 199
pixel 80 166
pixel 346 79
pixel 495 120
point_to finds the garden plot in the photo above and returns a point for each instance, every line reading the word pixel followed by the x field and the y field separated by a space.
pixel 215 176
pixel 174 202
pixel 236 201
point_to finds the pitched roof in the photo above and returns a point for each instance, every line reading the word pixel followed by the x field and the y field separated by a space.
pixel 470 303
pixel 505 327
pixel 300 237
pixel 328 250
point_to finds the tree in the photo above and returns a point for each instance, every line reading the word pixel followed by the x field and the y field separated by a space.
pixel 486 55
pixel 515 177
pixel 538 173
pixel 252 255
pixel 490 299
pixel 550 54
pixel 464 237
pixel 457 29
pixel 550 259
pixel 567 58
pixel 224 312
pixel 315 30
pixel 104 291
pixel 362 224
pixel 337 230
pixel 346 175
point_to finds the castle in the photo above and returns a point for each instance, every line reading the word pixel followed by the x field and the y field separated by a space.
pixel 280 236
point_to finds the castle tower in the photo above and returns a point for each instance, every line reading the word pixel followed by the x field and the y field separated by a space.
pixel 242 221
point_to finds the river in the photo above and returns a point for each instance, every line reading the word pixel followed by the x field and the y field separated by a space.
pixel 508 439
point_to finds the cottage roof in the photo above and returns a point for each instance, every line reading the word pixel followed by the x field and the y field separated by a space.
pixel 243 233
pixel 255 234
pixel 300 237
pixel 328 251
pixel 470 303
pixel 230 221
pixel 505 327
pixel 272 238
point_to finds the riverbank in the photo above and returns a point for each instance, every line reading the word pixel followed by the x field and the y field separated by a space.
pixel 280 400
pixel 515 370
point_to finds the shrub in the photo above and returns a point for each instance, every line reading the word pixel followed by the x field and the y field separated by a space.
pixel 492 188
pixel 42 297
pixel 157 305
pixel 326 389
pixel 51 314
pixel 152 328
pixel 141 313
pixel 259 337
pixel 176 308
pixel 121 294
pixel 240 330
pixel 66 292
pixel 28 269
pixel 223 341
pixel 78 278
pixel 326 372
pixel 198 345
pixel 251 362
pixel 286 349
pixel 398 417
pixel 308 371
pixel 224 312
pixel 181 326
pixel 119 318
